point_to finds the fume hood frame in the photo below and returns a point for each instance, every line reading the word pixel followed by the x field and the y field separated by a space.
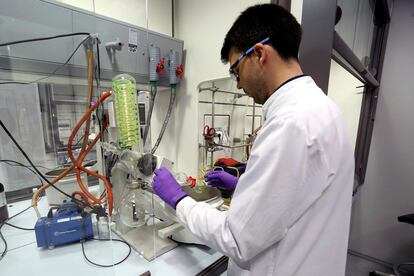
pixel 213 86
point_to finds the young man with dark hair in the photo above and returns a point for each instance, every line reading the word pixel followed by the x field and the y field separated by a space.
pixel 290 210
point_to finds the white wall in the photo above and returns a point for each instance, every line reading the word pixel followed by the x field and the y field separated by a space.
pixel 131 11
pixel 296 9
pixel 344 92
pixel 202 25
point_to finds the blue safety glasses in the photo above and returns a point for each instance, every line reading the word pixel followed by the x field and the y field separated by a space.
pixel 235 74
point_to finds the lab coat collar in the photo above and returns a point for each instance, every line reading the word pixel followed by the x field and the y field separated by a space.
pixel 283 87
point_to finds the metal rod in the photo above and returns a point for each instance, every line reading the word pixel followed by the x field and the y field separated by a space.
pixel 342 48
pixel 346 67
pixel 70 102
pixel 213 100
pixel 231 147
pixel 224 146
pixel 369 258
pixel 221 103
pixel 215 89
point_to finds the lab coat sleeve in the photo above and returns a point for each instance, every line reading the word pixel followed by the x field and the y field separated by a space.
pixel 285 175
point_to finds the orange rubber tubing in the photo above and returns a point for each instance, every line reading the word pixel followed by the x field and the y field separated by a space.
pixel 81 168
pixel 78 164
pixel 47 185
pixel 85 140
pixel 75 130
pixel 83 196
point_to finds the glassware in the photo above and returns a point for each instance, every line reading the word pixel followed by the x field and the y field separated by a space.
pixel 103 227
pixel 126 110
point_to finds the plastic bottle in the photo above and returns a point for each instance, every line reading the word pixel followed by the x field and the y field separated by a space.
pixel 126 110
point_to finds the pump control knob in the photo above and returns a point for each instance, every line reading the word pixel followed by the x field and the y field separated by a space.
pixel 180 71
pixel 160 67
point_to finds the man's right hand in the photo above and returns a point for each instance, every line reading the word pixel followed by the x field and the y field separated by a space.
pixel 221 179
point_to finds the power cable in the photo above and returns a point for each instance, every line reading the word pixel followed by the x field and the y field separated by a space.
pixel 12 82
pixel 83 234
pixel 19 227
pixel 41 38
pixel 3 223
pixel 15 163
pixel 34 167
pixel 5 244
pixel 60 66
pixel 111 265
pixel 64 64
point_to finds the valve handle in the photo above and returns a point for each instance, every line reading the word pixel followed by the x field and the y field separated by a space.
pixel 180 71
pixel 160 67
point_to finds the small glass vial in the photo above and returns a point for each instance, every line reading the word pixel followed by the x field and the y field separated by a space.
pixel 103 227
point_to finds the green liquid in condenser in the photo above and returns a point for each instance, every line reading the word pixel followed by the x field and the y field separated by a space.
pixel 126 110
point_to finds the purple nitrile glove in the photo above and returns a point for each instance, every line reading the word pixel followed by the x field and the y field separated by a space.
pixel 167 188
pixel 221 179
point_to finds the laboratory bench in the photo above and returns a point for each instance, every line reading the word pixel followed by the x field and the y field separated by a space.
pixel 25 258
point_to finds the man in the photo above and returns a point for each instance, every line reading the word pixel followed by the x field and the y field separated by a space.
pixel 290 210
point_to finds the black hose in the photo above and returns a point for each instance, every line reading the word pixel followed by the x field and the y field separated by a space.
pixel 167 117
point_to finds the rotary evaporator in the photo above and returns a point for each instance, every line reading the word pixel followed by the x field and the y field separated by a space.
pixel 142 218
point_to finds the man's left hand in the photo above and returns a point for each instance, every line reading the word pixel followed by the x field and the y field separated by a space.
pixel 167 188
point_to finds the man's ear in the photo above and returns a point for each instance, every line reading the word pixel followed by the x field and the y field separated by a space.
pixel 260 52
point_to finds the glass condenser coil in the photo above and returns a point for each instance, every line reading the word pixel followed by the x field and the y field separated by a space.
pixel 126 110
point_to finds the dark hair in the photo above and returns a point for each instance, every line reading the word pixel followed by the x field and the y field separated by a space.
pixel 261 21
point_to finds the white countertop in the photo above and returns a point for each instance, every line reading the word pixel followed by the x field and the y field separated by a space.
pixel 25 258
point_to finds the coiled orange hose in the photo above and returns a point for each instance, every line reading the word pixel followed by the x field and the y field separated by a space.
pixel 78 163
pixel 85 139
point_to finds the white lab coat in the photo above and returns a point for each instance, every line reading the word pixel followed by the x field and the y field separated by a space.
pixel 290 212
